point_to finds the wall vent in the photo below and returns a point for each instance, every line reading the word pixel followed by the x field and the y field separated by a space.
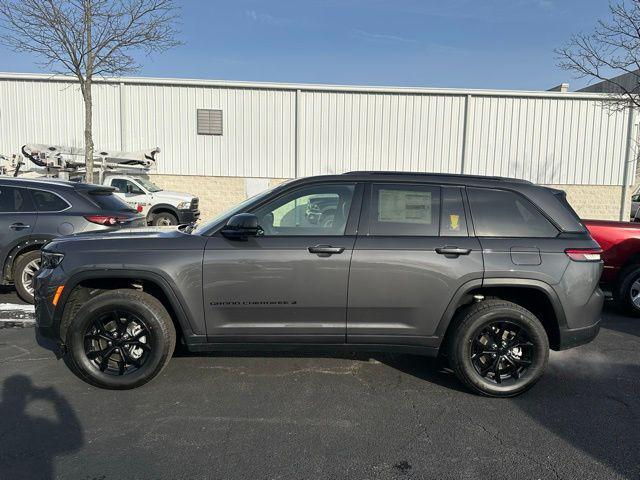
pixel 209 122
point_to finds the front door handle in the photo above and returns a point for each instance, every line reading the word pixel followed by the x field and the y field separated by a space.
pixel 18 226
pixel 453 251
pixel 325 250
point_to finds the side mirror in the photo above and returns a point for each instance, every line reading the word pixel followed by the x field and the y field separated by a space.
pixel 241 226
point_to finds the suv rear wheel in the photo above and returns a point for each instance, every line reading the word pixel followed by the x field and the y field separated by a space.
pixel 627 290
pixel 498 348
pixel 26 268
pixel 120 339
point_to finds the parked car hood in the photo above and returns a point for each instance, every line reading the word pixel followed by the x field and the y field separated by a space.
pixel 145 238
pixel 170 196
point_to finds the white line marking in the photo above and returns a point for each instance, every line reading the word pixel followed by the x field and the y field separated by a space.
pixel 8 307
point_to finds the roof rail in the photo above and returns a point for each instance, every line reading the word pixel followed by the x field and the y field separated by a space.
pixel 429 174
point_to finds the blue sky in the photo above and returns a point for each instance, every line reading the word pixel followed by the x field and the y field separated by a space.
pixel 447 43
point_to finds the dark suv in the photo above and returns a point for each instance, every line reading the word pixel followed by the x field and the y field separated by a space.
pixel 33 211
pixel 490 272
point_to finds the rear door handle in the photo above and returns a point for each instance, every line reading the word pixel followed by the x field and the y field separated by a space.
pixel 453 251
pixel 18 226
pixel 325 249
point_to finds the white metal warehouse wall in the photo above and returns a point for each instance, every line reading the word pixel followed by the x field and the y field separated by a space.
pixel 281 131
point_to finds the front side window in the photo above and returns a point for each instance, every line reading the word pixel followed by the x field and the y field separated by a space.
pixel 500 213
pixel 15 200
pixel 405 210
pixel 48 202
pixel 313 210
pixel 126 186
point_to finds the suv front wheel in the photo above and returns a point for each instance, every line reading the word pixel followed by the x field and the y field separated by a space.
pixel 120 339
pixel 26 268
pixel 498 348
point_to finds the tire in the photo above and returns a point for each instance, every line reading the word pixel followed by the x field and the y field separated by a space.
pixel 521 358
pixel 164 219
pixel 626 286
pixel 24 272
pixel 105 339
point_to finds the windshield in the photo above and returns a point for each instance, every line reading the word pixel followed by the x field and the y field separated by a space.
pixel 202 229
pixel 148 185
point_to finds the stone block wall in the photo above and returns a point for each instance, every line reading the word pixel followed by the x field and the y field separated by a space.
pixel 218 194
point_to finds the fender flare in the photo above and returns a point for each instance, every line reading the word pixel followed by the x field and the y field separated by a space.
pixel 18 247
pixel 95 274
pixel 163 206
pixel 475 284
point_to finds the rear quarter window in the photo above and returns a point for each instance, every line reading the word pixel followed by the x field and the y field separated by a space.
pixel 106 200
pixel 48 202
pixel 501 213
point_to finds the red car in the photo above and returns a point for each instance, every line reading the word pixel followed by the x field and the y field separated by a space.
pixel 620 242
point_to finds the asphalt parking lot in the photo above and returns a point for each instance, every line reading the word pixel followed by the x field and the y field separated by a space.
pixel 291 416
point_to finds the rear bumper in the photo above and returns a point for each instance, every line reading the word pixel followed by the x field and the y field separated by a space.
pixel 585 320
pixel 574 337
pixel 188 216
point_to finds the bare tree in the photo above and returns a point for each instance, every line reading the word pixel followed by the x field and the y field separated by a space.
pixel 89 38
pixel 612 49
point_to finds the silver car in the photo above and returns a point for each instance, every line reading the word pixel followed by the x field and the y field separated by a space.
pixel 33 212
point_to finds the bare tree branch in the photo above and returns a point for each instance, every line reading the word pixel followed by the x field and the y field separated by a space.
pixel 610 50
pixel 88 38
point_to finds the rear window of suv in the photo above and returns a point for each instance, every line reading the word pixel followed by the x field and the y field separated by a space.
pixel 106 200
pixel 500 213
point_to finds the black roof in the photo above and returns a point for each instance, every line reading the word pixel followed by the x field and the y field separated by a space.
pixel 439 176
pixel 52 183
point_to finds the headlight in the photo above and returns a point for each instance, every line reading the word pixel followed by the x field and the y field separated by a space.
pixel 184 205
pixel 50 259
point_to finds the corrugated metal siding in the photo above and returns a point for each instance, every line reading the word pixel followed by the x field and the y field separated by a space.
pixel 547 141
pixel 561 139
pixel 52 112
pixel 258 139
pixel 354 131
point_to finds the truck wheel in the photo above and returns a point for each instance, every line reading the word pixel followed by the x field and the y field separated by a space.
pixel 627 289
pixel 120 339
pixel 497 348
pixel 26 268
pixel 164 219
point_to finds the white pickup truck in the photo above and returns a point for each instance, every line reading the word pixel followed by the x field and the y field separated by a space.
pixel 162 207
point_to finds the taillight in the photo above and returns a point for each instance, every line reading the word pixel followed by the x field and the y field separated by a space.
pixel 107 220
pixel 584 254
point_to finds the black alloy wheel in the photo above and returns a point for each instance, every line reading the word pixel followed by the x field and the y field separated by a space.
pixel 502 352
pixel 118 342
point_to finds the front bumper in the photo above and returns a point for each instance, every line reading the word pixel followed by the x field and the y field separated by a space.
pixel 45 285
pixel 188 216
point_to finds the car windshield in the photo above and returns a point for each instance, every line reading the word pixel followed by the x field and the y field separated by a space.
pixel 149 185
pixel 239 208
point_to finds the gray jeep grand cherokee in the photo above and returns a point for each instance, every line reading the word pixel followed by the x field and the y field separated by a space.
pixel 489 272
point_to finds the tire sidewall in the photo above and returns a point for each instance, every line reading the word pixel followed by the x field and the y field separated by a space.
pixel 22 261
pixel 172 218
pixel 623 295
pixel 537 336
pixel 85 316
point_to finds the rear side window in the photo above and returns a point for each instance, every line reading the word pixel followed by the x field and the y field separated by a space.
pixel 106 200
pixel 405 210
pixel 15 200
pixel 453 222
pixel 48 202
pixel 499 213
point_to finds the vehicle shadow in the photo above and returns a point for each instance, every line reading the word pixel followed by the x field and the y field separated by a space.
pixel 592 404
pixel 432 370
pixel 619 320
pixel 30 443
